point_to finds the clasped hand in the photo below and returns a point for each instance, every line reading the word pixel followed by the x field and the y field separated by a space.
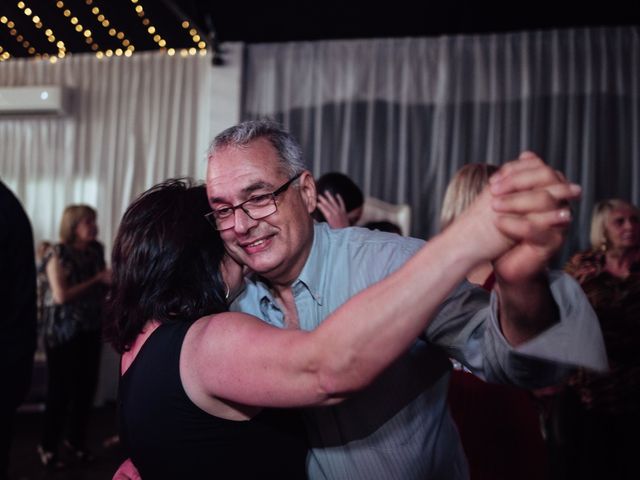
pixel 532 203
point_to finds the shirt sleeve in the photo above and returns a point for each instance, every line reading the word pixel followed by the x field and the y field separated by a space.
pixel 467 328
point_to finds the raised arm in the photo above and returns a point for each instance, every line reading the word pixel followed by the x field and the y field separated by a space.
pixel 536 200
pixel 61 290
pixel 239 358
pixel 333 209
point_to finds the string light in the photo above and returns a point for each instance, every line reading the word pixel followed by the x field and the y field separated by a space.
pixel 14 33
pixel 47 32
pixel 198 44
pixel 19 37
pixel 195 38
pixel 151 29
pixel 85 32
pixel 106 23
pixel 62 51
pixel 4 55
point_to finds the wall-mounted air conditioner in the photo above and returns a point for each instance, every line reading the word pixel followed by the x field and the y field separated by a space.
pixel 43 99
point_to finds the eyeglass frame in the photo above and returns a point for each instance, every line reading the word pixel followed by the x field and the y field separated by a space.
pixel 211 216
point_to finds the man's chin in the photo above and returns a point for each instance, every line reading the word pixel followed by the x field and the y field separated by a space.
pixel 257 263
pixel 263 271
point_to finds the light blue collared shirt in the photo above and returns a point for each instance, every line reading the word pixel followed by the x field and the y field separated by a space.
pixel 399 427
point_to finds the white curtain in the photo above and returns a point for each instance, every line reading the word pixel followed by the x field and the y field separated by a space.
pixel 132 122
pixel 400 116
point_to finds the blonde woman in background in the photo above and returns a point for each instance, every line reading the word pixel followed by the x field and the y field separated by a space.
pixel 602 412
pixel 77 280
pixel 615 243
pixel 498 424
pixel 464 187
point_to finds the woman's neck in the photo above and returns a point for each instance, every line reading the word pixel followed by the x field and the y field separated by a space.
pixel 80 245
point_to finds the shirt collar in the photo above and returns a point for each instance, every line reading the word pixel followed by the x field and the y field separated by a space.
pixel 312 273
pixel 314 269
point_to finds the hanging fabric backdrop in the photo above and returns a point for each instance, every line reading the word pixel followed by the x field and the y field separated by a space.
pixel 131 122
pixel 400 116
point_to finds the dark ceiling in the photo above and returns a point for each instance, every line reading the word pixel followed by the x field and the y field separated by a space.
pixel 271 21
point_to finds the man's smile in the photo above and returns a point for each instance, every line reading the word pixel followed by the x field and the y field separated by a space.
pixel 256 246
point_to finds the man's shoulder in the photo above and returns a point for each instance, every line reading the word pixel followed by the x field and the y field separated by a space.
pixel 360 255
pixel 363 240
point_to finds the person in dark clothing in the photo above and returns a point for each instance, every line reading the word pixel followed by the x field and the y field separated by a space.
pixel 597 414
pixel 340 200
pixel 18 318
pixel 77 278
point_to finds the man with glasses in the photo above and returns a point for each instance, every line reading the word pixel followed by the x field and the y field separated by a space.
pixel 257 207
pixel 262 197
pixel 399 427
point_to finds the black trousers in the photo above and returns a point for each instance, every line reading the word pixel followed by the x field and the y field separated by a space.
pixel 73 377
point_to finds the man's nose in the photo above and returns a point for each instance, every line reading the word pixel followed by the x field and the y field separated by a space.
pixel 243 221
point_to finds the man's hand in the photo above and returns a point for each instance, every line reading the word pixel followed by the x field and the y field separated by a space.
pixel 127 471
pixel 333 210
pixel 535 199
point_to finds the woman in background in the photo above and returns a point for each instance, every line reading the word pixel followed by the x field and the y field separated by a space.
pixel 340 200
pixel 77 279
pixel 603 411
pixel 615 244
pixel 467 183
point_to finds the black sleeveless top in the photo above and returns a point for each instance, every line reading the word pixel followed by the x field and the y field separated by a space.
pixel 168 436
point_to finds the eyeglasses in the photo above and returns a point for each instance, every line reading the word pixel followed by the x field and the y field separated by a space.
pixel 256 208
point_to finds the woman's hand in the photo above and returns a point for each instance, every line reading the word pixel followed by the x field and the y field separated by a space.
pixel 104 276
pixel 534 202
pixel 333 209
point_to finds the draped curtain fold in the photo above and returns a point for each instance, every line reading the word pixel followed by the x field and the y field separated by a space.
pixel 400 116
pixel 132 122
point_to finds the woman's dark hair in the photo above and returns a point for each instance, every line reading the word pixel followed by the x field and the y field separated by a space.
pixel 165 262
pixel 383 226
pixel 339 184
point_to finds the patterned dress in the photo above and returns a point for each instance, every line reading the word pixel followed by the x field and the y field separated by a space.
pixel 83 314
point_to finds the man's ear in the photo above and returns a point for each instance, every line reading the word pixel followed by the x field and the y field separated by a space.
pixel 308 190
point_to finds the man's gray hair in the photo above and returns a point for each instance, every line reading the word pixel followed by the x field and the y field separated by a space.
pixel 286 146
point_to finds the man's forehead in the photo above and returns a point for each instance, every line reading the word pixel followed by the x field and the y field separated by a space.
pixel 257 154
pixel 237 170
